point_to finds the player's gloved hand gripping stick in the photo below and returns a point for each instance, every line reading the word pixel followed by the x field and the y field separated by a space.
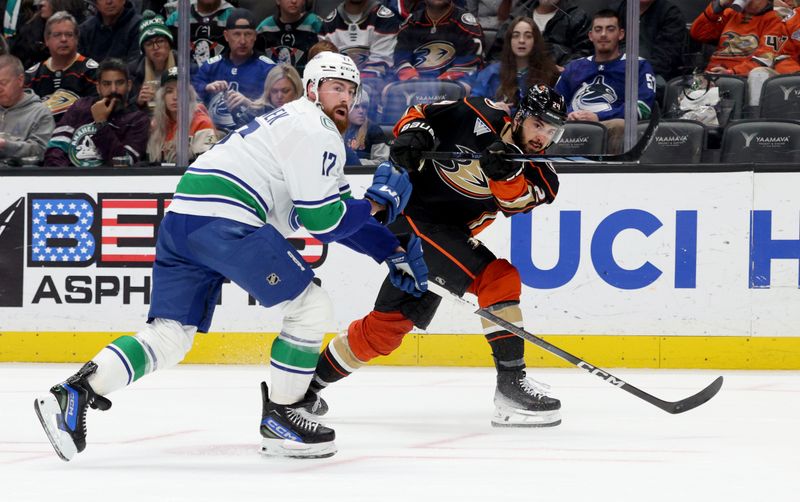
pixel 407 270
pixel 414 139
pixel 390 188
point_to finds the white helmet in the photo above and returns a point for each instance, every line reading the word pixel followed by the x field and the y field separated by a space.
pixel 329 65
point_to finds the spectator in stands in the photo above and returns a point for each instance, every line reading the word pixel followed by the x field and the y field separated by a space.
pixel 29 44
pixel 788 59
pixel 155 41
pixel 594 86
pixel 439 41
pixel 66 76
pixel 745 40
pixel 487 13
pixel 231 82
pixel 785 8
pixel 27 123
pixel 283 84
pixel 206 30
pixel 111 33
pixel 322 46
pixel 662 35
pixel 161 146
pixel 106 131
pixel 366 31
pixel 366 139
pixel 288 34
pixel 525 61
pixel 563 24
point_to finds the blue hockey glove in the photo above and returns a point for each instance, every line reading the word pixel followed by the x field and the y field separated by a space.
pixel 407 270
pixel 392 189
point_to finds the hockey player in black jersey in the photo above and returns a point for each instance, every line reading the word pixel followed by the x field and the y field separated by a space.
pixel 451 202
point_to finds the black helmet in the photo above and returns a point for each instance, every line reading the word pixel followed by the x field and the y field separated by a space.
pixel 545 103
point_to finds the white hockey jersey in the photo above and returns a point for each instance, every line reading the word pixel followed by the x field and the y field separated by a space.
pixel 284 167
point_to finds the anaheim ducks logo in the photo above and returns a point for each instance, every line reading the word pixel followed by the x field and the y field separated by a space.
pixel 60 101
pixel 464 176
pixel 434 55
pixel 735 45
pixel 358 53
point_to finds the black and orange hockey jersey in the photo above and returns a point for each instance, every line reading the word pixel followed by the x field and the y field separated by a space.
pixel 60 89
pixel 449 48
pixel 744 41
pixel 457 192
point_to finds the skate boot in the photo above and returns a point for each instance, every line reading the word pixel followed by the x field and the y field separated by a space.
pixel 62 412
pixel 288 432
pixel 522 402
pixel 314 404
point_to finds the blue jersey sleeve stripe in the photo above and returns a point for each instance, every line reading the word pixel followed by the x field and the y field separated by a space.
pixel 216 199
pixel 235 178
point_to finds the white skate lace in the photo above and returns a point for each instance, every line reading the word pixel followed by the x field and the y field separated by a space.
pixel 298 420
pixel 534 387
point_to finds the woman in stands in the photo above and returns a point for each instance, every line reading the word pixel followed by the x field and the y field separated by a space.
pixel 161 145
pixel 281 86
pixel 524 61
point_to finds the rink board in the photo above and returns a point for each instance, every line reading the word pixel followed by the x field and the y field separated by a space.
pixel 625 269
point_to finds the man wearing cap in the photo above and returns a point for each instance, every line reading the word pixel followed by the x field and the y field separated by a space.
pixel 206 28
pixel 233 80
pixel 101 132
pixel 66 76
pixel 155 41
pixel 111 33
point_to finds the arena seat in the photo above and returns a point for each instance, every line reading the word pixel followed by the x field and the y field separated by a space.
pixel 731 87
pixel 674 142
pixel 581 138
pixel 398 96
pixel 780 98
pixel 754 140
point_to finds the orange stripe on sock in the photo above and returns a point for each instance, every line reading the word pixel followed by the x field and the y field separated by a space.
pixel 333 365
pixel 500 337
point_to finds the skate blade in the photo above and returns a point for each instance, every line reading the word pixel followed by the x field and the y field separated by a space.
pixel 48 411
pixel 284 448
pixel 511 417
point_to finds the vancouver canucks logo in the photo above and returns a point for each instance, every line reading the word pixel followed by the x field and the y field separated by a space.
pixel 594 96
pixel 464 176
pixel 434 55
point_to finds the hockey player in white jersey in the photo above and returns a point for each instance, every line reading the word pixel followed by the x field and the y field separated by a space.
pixel 229 218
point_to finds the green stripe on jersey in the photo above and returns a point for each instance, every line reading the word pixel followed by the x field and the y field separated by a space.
pixel 294 355
pixel 209 184
pixel 323 218
pixel 346 195
pixel 136 355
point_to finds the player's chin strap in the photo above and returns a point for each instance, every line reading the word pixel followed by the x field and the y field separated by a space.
pixel 631 156
pixel 668 406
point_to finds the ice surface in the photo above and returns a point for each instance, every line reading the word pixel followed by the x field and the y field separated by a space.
pixel 412 434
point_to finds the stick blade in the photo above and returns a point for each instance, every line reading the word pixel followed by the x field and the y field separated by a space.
pixel 696 400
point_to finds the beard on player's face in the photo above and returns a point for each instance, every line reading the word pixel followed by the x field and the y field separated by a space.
pixel 339 115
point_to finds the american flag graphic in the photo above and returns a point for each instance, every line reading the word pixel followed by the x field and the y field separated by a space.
pixel 60 231
pixel 129 227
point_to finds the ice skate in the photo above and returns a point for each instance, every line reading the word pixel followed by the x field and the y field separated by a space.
pixel 314 404
pixel 521 402
pixel 62 412
pixel 288 432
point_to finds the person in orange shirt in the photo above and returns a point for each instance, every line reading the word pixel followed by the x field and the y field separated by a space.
pixel 161 145
pixel 747 42
pixel 788 60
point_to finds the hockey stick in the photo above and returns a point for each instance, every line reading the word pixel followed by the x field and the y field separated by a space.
pixel 631 156
pixel 673 407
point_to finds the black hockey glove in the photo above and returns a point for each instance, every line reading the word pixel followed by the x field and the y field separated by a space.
pixel 414 138
pixel 495 165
